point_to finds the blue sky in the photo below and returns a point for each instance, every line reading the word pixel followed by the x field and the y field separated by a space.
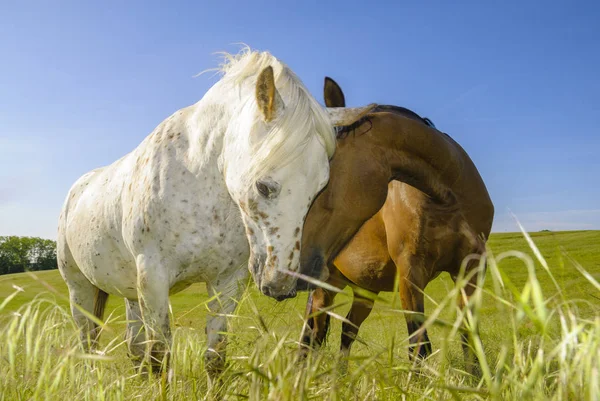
pixel 515 83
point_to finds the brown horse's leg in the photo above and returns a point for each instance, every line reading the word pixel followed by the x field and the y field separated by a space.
pixel 411 294
pixel 360 310
pixel 315 329
pixel 471 360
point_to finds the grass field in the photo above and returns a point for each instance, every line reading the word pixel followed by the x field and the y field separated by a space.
pixel 539 332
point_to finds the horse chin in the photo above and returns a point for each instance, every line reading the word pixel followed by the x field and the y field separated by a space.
pixel 324 274
pixel 323 277
pixel 276 292
pixel 291 294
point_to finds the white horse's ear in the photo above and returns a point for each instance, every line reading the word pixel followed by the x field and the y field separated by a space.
pixel 268 99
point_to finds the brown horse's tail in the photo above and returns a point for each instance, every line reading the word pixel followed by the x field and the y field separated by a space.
pixel 99 303
pixel 100 299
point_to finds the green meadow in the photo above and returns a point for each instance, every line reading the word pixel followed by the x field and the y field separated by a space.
pixel 537 315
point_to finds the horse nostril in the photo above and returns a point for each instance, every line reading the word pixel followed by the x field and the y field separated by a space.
pixel 265 289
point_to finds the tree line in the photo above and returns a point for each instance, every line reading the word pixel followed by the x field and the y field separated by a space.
pixel 20 254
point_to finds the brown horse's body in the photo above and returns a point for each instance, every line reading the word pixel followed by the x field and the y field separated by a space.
pixel 415 235
pixel 410 235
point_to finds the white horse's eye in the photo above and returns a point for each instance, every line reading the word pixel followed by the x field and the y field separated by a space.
pixel 268 189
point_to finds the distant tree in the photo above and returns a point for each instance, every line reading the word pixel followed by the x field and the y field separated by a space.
pixel 43 255
pixel 13 254
pixel 20 254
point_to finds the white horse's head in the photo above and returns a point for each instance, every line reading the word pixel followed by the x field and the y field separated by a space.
pixel 276 160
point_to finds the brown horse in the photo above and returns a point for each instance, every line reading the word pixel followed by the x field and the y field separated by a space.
pixel 403 204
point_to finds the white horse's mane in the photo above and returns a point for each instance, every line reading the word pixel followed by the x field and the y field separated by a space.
pixel 288 135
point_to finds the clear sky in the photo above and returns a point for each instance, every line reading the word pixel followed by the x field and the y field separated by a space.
pixel 516 84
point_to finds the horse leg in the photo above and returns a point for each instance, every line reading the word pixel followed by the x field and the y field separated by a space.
pixel 85 298
pixel 153 298
pixel 135 335
pixel 315 328
pixel 226 295
pixel 411 294
pixel 360 310
pixel 471 360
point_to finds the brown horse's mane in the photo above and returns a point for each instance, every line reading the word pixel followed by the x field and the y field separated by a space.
pixel 343 131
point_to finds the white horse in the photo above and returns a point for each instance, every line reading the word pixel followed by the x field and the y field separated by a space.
pixel 218 185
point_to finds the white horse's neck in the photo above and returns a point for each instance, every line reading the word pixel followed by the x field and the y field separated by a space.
pixel 207 122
